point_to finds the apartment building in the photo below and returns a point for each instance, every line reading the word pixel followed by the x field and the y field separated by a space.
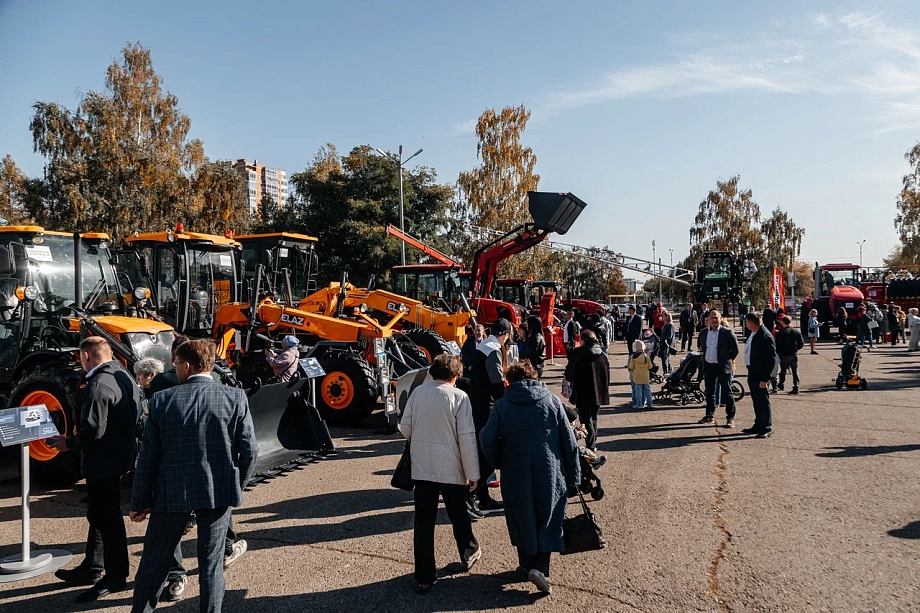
pixel 261 180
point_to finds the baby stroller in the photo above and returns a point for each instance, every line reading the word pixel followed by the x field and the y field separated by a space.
pixel 682 384
pixel 849 378
pixel 590 482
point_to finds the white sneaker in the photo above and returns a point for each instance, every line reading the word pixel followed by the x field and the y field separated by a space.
pixel 538 579
pixel 176 588
pixel 239 548
pixel 470 558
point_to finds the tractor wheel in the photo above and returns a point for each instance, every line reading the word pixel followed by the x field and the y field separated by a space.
pixel 840 382
pixel 414 355
pixel 348 392
pixel 430 342
pixel 863 384
pixel 55 386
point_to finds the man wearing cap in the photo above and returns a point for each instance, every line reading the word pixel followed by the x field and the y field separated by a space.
pixel 284 362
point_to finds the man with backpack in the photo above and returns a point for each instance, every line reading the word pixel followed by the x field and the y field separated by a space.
pixel 788 343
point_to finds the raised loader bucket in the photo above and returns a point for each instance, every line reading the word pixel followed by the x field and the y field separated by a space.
pixel 554 212
pixel 287 427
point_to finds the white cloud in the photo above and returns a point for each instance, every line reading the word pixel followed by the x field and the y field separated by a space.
pixel 465 127
pixel 851 54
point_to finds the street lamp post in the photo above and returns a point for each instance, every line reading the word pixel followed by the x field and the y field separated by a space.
pixel 400 162
pixel 860 243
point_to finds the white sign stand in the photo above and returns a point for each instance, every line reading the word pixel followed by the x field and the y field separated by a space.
pixel 552 342
pixel 30 563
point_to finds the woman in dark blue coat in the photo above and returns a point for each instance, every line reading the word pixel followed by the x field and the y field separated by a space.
pixel 529 438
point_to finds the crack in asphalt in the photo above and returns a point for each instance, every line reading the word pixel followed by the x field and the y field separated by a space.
pixel 719 554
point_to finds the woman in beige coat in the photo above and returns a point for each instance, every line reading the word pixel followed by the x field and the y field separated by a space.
pixel 438 422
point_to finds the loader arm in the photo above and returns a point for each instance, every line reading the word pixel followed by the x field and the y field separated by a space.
pixel 489 256
pixel 450 326
pixel 418 244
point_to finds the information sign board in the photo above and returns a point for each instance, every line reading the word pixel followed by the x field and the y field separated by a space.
pixel 24 424
pixel 312 368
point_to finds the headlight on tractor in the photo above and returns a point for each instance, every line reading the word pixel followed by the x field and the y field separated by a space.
pixel 27 293
pixel 141 293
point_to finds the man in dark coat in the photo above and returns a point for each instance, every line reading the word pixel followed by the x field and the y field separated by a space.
pixel 762 363
pixel 633 330
pixel 589 373
pixel 107 440
pixel 198 454
pixel 788 343
pixel 529 437
pixel 719 347
pixel 768 319
pixel 688 324
pixel 570 330
pixel 704 316
pixel 487 384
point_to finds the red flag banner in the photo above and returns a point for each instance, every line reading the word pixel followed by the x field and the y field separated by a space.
pixel 778 290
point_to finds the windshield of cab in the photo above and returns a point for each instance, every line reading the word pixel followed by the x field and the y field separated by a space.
pixel 717 265
pixel 52 267
pixel 213 272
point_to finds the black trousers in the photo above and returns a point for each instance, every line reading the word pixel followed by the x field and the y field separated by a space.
pixel 538 562
pixel 588 416
pixel 426 516
pixel 485 470
pixel 106 541
pixel 686 338
pixel 177 569
pixel 714 376
pixel 790 362
pixel 763 414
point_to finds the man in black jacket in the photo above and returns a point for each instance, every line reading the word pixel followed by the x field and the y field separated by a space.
pixel 769 319
pixel 633 330
pixel 788 343
pixel 570 331
pixel 688 323
pixel 761 359
pixel 720 348
pixel 487 384
pixel 107 440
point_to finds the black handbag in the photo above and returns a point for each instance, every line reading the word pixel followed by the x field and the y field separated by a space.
pixel 402 476
pixel 582 533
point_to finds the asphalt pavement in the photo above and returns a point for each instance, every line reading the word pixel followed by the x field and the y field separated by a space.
pixel 822 516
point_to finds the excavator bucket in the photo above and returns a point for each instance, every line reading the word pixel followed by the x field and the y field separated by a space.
pixel 287 427
pixel 554 212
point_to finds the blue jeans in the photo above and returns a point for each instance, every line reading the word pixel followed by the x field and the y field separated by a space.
pixel 636 394
pixel 642 394
pixel 864 336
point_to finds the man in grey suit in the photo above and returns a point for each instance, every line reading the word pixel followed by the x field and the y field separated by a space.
pixel 720 347
pixel 198 453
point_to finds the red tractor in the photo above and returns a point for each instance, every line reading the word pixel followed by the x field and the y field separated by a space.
pixel 836 286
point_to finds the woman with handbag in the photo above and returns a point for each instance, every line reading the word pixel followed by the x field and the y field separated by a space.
pixel 814 330
pixel 529 438
pixel 864 323
pixel 438 424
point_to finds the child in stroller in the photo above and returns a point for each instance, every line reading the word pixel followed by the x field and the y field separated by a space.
pixel 652 346
pixel 683 384
pixel 850 357
pixel 589 461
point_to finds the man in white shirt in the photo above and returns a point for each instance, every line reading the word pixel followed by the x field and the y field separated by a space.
pixel 720 348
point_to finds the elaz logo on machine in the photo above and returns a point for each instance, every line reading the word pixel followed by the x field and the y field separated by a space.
pixel 395 306
pixel 292 319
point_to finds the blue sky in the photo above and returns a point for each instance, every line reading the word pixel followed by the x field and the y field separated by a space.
pixel 638 108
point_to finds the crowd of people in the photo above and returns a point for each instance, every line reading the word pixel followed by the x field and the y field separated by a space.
pixel 197 453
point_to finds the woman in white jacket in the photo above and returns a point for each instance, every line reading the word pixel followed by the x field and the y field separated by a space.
pixel 438 422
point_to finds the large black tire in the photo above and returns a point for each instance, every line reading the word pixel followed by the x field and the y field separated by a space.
pixel 348 392
pixel 414 356
pixel 54 384
pixel 430 342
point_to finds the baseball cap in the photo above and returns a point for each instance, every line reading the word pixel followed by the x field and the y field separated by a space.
pixel 290 341
pixel 501 326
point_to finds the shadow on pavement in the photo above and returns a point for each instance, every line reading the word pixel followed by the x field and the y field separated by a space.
pixel 860 451
pixel 910 531
pixel 461 593
pixel 311 534
pixel 335 504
